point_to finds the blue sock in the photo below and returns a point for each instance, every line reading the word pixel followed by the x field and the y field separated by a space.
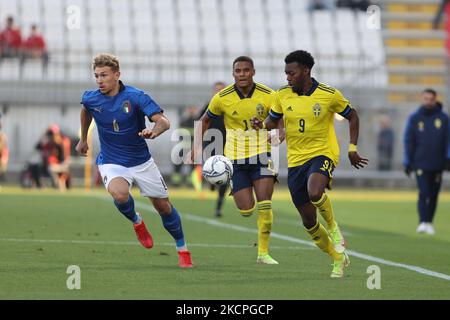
pixel 172 223
pixel 127 209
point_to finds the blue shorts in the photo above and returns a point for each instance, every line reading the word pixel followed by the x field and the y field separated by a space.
pixel 254 168
pixel 298 177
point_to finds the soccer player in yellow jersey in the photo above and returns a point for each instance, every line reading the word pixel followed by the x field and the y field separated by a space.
pixel 307 108
pixel 246 148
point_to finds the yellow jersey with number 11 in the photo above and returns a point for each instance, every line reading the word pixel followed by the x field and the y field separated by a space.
pixel 242 141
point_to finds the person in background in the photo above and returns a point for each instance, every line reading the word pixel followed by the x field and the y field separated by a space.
pixel 321 5
pixel 52 154
pixel 34 47
pixel 10 40
pixel 385 144
pixel 426 140
pixel 354 4
pixel 4 152
pixel 217 124
pixel 59 159
pixel 444 7
pixel 447 165
pixel 187 119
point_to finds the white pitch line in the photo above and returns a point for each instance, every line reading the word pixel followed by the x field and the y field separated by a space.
pixel 362 256
pixel 135 243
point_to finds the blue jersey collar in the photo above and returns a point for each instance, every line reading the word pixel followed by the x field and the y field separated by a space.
pixel 121 86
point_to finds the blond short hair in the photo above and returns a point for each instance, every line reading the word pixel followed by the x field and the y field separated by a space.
pixel 106 60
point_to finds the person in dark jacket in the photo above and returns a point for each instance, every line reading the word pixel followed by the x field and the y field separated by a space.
pixel 447 165
pixel 385 144
pixel 187 117
pixel 426 140
pixel 218 125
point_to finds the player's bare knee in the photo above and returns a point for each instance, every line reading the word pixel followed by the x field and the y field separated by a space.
pixel 119 196
pixel 315 195
pixel 162 206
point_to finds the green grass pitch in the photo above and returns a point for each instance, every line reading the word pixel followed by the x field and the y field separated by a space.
pixel 43 232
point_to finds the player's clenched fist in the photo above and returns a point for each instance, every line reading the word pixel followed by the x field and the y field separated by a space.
pixel 256 123
pixel 82 148
pixel 147 134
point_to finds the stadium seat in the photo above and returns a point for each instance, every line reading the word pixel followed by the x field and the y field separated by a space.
pixel 371 41
pixel 9 69
pixel 122 28
pixel 144 37
pixel 300 27
pixel 144 26
pixel 233 25
pixel 256 31
pixel 189 27
pixel 212 35
pixel 30 14
pixel 52 25
pixel 347 32
pixel 297 6
pixel 166 26
pixel 8 8
pixel 278 27
pixel 325 36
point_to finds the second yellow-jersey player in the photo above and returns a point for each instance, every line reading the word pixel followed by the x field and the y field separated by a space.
pixel 242 141
pixel 253 179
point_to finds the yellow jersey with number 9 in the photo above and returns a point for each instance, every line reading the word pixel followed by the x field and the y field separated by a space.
pixel 309 121
pixel 242 141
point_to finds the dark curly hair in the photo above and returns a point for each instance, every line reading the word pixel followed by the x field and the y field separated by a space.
pixel 302 57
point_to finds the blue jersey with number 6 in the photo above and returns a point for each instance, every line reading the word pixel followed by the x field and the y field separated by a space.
pixel 119 119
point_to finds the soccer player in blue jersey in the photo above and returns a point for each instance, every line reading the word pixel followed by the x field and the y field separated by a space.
pixel 119 112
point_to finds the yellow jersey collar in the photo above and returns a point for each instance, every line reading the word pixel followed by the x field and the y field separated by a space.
pixel 311 90
pixel 249 94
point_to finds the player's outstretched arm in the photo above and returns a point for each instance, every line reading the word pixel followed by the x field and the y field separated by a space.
pixel 162 124
pixel 353 155
pixel 85 119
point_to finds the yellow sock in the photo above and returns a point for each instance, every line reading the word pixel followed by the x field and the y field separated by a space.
pixel 323 241
pixel 248 212
pixel 326 210
pixel 265 220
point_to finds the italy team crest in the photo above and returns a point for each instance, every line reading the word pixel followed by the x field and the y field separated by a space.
pixel 317 109
pixel 126 106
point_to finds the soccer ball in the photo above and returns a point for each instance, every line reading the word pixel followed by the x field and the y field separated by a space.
pixel 217 170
